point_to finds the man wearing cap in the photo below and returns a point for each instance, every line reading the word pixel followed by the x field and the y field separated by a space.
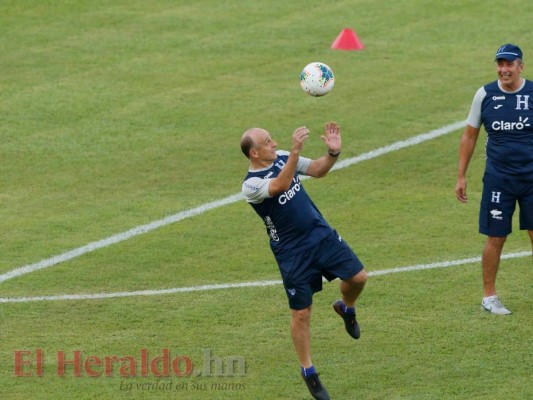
pixel 505 109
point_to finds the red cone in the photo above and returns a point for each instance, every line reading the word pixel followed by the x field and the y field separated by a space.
pixel 347 40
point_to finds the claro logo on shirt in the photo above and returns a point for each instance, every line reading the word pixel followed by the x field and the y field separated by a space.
pixel 508 126
pixel 289 194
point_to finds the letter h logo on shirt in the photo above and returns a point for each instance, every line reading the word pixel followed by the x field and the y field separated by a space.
pixel 495 197
pixel 520 102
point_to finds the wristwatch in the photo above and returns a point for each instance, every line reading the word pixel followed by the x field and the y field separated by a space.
pixel 334 154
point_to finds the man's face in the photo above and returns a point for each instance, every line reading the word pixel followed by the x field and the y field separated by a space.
pixel 265 147
pixel 509 73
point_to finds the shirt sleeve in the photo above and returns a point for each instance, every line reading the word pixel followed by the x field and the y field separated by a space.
pixel 303 164
pixel 474 118
pixel 255 189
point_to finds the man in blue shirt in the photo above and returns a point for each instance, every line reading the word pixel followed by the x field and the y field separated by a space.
pixel 505 109
pixel 305 246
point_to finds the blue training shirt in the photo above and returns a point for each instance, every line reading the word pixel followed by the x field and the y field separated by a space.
pixel 293 222
pixel 508 120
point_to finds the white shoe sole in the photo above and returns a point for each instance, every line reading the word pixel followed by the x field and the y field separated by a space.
pixel 500 312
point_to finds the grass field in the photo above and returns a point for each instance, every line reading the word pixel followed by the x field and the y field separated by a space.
pixel 115 114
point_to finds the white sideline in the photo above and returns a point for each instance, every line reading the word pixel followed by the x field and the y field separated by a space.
pixel 139 230
pixel 189 289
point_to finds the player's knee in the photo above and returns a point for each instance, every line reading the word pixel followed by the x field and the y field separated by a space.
pixel 361 277
pixel 302 316
pixel 496 241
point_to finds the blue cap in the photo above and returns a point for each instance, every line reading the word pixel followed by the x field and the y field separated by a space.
pixel 508 52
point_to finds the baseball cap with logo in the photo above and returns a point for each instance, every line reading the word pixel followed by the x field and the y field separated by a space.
pixel 508 52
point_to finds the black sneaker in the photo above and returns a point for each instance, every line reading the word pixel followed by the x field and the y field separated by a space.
pixel 315 387
pixel 350 323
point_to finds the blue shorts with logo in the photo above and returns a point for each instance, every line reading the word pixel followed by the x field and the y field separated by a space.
pixel 498 204
pixel 302 273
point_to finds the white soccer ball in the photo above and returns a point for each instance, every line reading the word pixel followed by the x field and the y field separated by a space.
pixel 317 79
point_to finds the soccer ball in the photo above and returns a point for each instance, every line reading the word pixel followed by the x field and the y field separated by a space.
pixel 317 79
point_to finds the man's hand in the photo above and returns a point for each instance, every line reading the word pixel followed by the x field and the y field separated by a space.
pixel 332 137
pixel 460 190
pixel 299 137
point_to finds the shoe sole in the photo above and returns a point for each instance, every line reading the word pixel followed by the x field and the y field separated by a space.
pixel 495 313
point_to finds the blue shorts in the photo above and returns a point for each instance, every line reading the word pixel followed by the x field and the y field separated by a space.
pixel 302 273
pixel 498 204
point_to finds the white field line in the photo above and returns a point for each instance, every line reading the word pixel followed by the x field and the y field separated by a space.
pixel 139 230
pixel 99 296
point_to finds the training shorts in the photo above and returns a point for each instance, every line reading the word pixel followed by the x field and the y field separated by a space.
pixel 498 204
pixel 302 273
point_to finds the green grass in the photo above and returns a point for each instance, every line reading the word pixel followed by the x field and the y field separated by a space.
pixel 116 114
